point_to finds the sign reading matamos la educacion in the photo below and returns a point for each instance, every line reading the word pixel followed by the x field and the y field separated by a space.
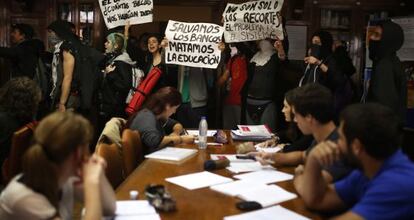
pixel 255 20
pixel 117 12
pixel 193 44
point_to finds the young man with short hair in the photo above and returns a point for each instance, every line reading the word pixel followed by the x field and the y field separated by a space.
pixel 314 113
pixel 381 187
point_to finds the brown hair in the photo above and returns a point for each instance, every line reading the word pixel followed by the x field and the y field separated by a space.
pixel 163 97
pixel 56 138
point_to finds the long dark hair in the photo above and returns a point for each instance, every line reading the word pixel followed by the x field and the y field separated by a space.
pixel 55 139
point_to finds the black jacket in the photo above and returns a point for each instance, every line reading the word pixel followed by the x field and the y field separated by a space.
pixel 23 57
pixel 388 84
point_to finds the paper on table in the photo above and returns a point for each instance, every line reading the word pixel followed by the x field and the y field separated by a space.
pixel 236 187
pixel 265 176
pixel 140 217
pixel 247 167
pixel 268 214
pixel 267 195
pixel 134 207
pixel 231 157
pixel 210 133
pixel 172 153
pixel 198 180
pixel 272 149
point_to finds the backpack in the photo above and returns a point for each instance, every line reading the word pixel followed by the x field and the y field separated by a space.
pixel 41 78
pixel 85 75
pixel 144 88
pixel 137 76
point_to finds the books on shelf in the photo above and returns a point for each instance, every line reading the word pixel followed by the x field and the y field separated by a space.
pixel 172 154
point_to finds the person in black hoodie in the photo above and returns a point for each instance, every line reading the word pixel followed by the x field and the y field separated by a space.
pixel 388 84
pixel 117 78
pixel 323 68
pixel 23 55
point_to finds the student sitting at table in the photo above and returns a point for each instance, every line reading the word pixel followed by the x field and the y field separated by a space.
pixel 381 187
pixel 314 113
pixel 153 122
pixel 291 139
pixel 57 169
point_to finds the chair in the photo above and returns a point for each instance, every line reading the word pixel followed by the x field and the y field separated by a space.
pixel 21 141
pixel 115 167
pixel 131 150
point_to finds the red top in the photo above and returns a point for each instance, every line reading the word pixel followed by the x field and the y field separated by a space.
pixel 237 66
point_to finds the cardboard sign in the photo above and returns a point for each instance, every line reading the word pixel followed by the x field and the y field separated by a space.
pixel 193 44
pixel 255 20
pixel 117 12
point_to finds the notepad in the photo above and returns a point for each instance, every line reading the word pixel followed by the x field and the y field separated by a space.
pixel 271 213
pixel 265 176
pixel 237 187
pixel 267 195
pixel 172 154
pixel 198 180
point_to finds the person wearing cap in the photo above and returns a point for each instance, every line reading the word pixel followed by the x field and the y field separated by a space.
pixel 24 53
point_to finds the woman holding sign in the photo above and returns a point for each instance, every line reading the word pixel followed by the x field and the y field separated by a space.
pixel 261 92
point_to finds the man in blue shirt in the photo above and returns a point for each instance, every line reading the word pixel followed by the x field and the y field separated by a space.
pixel 381 187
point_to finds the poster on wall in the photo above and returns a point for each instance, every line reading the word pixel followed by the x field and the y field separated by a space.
pixel 193 44
pixel 117 12
pixel 255 20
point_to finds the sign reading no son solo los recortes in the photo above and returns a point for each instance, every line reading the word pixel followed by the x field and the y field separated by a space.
pixel 255 20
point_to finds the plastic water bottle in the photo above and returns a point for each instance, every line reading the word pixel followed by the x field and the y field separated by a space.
pixel 202 133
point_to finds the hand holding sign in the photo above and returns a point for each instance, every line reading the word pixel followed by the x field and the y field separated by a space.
pixel 193 44
pixel 117 12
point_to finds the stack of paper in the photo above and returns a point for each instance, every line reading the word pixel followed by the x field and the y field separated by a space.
pixel 240 165
pixel 135 209
pixel 172 153
pixel 198 180
pixel 275 212
pixel 267 195
pixel 265 176
pixel 237 187
pixel 251 132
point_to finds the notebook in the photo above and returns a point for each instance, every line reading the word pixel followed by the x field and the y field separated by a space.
pixel 172 154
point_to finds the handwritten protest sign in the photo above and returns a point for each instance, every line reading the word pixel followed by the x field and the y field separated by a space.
pixel 193 44
pixel 255 20
pixel 117 12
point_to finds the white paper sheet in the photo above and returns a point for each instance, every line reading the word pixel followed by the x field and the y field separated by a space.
pixel 140 217
pixel 272 149
pixel 267 195
pixel 237 187
pixel 271 213
pixel 134 207
pixel 198 180
pixel 247 167
pixel 210 133
pixel 265 176
pixel 172 153
pixel 231 157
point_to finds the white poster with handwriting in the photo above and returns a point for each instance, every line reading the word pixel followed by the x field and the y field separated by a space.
pixel 117 12
pixel 193 44
pixel 255 20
